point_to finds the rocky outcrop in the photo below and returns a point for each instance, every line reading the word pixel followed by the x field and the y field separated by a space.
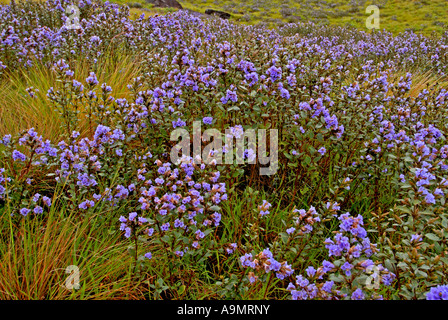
pixel 165 3
pixel 217 13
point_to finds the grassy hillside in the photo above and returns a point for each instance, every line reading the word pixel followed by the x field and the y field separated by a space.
pixel 396 16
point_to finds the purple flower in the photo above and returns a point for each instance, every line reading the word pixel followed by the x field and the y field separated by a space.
pixel 86 204
pixel 179 123
pixel 438 293
pixel 24 211
pixel 148 255
pixel 132 216
pixel 230 95
pixel 17 155
pixel 128 232
pixel 46 200
pixel 310 271
pixel 274 73
pixel 358 295
pixel 231 248
pixel 38 210
pixel 263 208
pixel 252 277
pixel 179 253
pixel 284 93
pixel 142 220
pixel 199 234
pixel 178 224
pixel 6 139
pixel 207 120
pixel 366 264
pixel 430 199
pixel 416 238
pixel 91 79
pixel 246 260
pixel 216 218
pixel 327 287
pixel 327 266
pixel 387 278
pixel 36 197
pixel 347 267
pixel 301 281
pixel 274 265
pixel 322 150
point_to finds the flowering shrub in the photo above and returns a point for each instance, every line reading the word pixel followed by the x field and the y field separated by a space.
pixel 356 210
pixel 437 293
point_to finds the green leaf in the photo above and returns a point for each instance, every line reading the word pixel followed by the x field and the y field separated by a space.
pixel 437 247
pixel 306 161
pixel 391 155
pixel 432 236
pixel 402 265
pixel 166 238
pixel 284 237
pixel 404 209
pixel 388 264
pixel 181 289
pixel 421 273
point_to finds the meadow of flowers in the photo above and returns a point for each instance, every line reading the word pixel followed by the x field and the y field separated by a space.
pixel 356 210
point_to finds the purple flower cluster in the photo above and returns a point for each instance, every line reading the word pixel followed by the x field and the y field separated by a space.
pixel 348 251
pixel 438 293
pixel 264 261
pixel 175 201
pixel 303 222
pixel 263 208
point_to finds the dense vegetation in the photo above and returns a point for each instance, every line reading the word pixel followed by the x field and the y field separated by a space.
pixel 396 16
pixel 356 209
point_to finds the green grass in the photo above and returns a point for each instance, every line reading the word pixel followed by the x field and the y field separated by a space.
pixel 396 15
pixel 34 256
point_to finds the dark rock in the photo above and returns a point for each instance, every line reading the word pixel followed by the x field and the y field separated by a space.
pixel 135 5
pixel 217 13
pixel 165 3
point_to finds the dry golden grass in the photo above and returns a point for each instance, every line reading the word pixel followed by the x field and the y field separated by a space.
pixel 18 111
pixel 427 81
pixel 33 262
